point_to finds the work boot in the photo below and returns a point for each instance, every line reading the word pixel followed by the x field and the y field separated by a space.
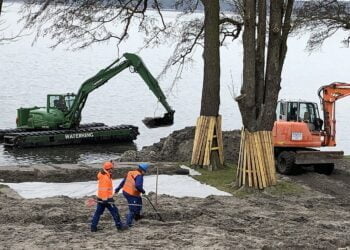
pixel 138 217
pixel 93 229
pixel 122 227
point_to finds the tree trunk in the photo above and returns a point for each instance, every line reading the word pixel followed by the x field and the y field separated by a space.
pixel 273 76
pixel 260 57
pixel 261 86
pixel 262 76
pixel 246 101
pixel 206 149
pixel 211 55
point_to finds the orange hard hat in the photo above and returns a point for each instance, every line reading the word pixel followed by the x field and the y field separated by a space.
pixel 108 165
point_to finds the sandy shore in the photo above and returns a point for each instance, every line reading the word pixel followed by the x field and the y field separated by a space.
pixel 318 217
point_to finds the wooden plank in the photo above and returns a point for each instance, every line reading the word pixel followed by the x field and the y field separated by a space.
pixel 240 160
pixel 212 121
pixel 219 138
pixel 265 157
pixel 206 145
pixel 249 167
pixel 203 139
pixel 195 142
pixel 255 162
pixel 254 165
pixel 200 138
pixel 262 161
pixel 260 166
pixel 199 142
pixel 254 172
pixel 272 157
pixel 246 151
pixel 246 156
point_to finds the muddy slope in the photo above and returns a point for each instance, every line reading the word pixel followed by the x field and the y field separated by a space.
pixel 73 172
pixel 178 147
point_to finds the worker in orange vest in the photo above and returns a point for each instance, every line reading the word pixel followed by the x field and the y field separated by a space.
pixel 132 186
pixel 105 197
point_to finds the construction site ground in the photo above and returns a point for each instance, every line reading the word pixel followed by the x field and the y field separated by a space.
pixel 315 214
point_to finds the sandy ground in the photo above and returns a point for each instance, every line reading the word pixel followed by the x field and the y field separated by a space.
pixel 316 218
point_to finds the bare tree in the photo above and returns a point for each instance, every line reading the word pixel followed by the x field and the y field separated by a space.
pixel 84 22
pixel 5 38
pixel 323 18
pixel 262 76
pixel 81 23
pixel 211 55
pixel 267 25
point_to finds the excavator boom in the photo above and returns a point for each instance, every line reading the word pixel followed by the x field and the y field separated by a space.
pixel 73 117
pixel 328 95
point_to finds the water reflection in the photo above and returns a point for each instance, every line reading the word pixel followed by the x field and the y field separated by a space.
pixel 63 154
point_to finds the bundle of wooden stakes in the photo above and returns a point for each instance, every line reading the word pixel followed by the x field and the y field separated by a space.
pixel 207 139
pixel 256 164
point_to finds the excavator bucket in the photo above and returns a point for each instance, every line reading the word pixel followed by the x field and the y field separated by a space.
pixel 155 122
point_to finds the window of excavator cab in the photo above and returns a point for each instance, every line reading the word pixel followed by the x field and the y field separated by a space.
pixel 53 99
pixel 69 100
pixel 58 102
pixel 292 111
pixel 280 111
pixel 308 112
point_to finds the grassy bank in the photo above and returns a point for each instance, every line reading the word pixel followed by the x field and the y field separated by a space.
pixel 225 179
pixel 222 179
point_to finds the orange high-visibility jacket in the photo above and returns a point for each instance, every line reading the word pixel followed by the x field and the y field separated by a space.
pixel 129 185
pixel 105 186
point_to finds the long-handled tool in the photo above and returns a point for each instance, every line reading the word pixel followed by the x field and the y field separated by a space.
pixel 160 217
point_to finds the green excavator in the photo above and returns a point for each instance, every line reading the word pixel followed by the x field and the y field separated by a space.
pixel 59 122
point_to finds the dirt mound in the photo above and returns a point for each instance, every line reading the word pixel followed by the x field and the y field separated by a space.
pixel 177 147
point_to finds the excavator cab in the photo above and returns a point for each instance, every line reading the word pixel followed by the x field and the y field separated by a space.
pixel 300 111
pixel 61 102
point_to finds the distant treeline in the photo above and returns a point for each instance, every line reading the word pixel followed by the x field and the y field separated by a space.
pixel 170 4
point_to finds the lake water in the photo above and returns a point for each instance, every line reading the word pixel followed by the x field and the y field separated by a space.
pixel 28 73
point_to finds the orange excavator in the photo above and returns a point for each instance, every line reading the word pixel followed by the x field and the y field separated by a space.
pixel 299 131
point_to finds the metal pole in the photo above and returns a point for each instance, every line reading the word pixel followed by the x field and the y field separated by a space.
pixel 157 188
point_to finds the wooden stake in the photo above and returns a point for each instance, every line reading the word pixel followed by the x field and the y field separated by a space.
pixel 157 188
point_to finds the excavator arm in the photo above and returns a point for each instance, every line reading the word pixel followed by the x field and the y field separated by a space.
pixel 328 95
pixel 73 116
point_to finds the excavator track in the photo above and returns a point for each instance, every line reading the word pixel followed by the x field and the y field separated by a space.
pixel 4 132
pixel 83 135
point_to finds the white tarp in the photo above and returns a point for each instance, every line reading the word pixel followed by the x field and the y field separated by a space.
pixel 174 185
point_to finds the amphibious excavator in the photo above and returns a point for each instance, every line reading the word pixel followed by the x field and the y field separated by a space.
pixel 59 122
pixel 299 131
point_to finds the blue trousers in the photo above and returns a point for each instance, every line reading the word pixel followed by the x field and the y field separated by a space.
pixel 101 206
pixel 135 207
